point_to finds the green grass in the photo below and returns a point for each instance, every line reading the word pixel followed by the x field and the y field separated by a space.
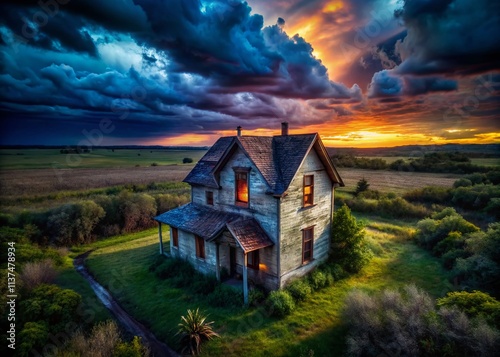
pixel 98 158
pixel 121 264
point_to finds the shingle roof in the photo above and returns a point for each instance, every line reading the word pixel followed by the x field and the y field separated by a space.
pixel 205 222
pixel 249 234
pixel 202 173
pixel 277 158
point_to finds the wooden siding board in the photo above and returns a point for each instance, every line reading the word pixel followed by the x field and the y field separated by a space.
pixel 294 218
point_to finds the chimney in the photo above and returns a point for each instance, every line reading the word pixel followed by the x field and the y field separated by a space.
pixel 284 128
pixel 238 130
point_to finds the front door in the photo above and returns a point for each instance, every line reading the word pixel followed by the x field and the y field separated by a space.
pixel 232 261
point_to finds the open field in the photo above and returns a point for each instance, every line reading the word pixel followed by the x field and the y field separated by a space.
pixel 16 183
pixel 22 183
pixel 394 181
pixel 98 158
pixel 121 264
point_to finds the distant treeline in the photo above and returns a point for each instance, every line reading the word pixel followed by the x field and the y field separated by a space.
pixel 117 147
pixel 113 211
pixel 471 150
pixel 439 162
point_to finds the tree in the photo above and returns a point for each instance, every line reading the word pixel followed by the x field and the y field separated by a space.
pixel 349 248
pixel 187 160
pixel 361 186
pixel 193 330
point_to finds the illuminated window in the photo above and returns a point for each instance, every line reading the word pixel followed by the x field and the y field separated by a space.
pixel 308 190
pixel 175 237
pixel 253 260
pixel 200 247
pixel 307 244
pixel 210 198
pixel 242 188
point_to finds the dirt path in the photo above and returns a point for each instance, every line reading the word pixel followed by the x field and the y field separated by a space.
pixel 158 349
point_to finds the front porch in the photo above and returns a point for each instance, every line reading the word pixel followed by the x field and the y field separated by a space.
pixel 228 241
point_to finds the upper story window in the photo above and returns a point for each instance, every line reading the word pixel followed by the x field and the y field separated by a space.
pixel 241 183
pixel 175 237
pixel 308 190
pixel 307 244
pixel 209 195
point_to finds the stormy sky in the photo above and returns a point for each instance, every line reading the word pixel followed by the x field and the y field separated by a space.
pixel 362 73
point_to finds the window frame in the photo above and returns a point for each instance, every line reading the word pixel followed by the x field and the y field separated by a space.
pixel 255 260
pixel 175 237
pixel 209 198
pixel 307 237
pixel 305 196
pixel 200 247
pixel 237 172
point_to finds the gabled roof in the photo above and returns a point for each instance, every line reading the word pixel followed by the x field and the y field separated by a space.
pixel 249 234
pixel 277 158
pixel 205 222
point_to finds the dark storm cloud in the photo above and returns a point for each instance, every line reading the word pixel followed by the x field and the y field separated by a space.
pixel 388 84
pixel 450 36
pixel 44 29
pixel 224 41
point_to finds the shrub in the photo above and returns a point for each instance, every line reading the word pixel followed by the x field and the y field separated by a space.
pixel 299 289
pixel 187 160
pixel 103 339
pixel 225 296
pixel 318 279
pixel 429 194
pixel 408 324
pixel 74 223
pixel 349 248
pixel 33 336
pixel 463 182
pixel 137 211
pixel 256 296
pixel 135 348
pixel 172 268
pixel 193 331
pixel 361 186
pixel 280 303
pixel 474 304
pixel 37 273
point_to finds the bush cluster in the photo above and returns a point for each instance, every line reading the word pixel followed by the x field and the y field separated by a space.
pixel 101 213
pixel 473 255
pixel 396 207
pixel 181 274
pixel 409 324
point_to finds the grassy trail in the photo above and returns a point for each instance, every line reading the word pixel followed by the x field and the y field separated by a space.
pixel 121 265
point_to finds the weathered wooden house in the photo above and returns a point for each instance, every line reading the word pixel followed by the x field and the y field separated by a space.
pixel 261 208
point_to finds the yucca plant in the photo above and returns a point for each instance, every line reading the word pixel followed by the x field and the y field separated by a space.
pixel 193 330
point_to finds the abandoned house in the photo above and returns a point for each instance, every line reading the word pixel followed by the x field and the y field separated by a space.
pixel 261 209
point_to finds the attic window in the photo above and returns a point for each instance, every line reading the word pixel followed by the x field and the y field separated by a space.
pixel 241 183
pixel 308 190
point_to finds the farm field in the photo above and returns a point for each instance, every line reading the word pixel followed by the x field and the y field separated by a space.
pixel 98 158
pixel 122 266
pixel 24 183
pixel 393 181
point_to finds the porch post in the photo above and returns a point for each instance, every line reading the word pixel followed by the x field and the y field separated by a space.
pixel 217 262
pixel 245 278
pixel 161 238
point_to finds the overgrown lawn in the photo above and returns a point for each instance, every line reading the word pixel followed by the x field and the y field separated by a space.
pixel 121 264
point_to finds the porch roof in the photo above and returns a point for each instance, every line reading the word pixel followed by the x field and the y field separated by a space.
pixel 205 222
pixel 249 234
